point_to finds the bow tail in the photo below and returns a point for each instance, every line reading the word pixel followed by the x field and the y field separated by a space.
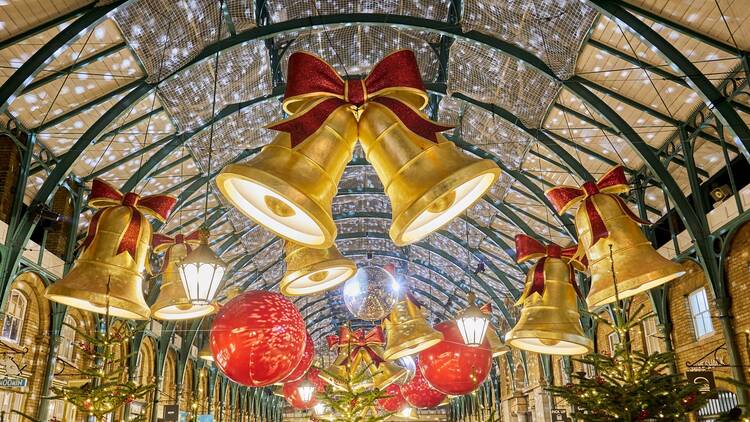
pixel 537 282
pixel 129 240
pixel 412 118
pixel 305 123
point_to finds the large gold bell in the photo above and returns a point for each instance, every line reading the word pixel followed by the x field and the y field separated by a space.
pixel 100 270
pixel 173 303
pixel 638 266
pixel 551 324
pixel 310 271
pixel 407 331
pixel 384 373
pixel 289 190
pixel 428 183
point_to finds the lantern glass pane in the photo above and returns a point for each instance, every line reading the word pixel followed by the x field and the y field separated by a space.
pixel 473 329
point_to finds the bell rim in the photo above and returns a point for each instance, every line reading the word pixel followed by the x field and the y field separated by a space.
pixel 157 311
pixel 117 307
pixel 286 286
pixel 448 184
pixel 518 340
pixel 244 172
pixel 413 346
pixel 639 286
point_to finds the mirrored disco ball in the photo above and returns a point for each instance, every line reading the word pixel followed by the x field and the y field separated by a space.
pixel 371 293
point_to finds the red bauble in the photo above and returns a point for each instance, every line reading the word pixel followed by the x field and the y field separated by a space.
pixel 258 338
pixel 394 403
pixel 451 366
pixel 291 393
pixel 420 394
pixel 304 363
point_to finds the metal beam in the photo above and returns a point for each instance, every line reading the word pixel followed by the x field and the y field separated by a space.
pixel 697 80
pixel 44 55
pixel 89 105
pixel 131 156
pixel 132 123
pixel 60 73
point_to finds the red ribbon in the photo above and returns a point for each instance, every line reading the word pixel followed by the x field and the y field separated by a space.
pixel 529 248
pixel 395 82
pixel 162 242
pixel 612 183
pixel 358 341
pixel 103 196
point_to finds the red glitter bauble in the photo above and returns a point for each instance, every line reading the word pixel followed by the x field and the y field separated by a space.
pixel 451 366
pixel 304 363
pixel 258 338
pixel 291 393
pixel 420 394
pixel 394 403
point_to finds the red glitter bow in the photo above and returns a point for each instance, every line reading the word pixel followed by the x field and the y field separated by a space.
pixel 162 242
pixel 612 183
pixel 529 248
pixel 395 82
pixel 357 341
pixel 103 195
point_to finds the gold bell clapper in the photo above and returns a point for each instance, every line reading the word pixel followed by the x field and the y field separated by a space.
pixel 172 303
pixel 550 322
pixel 407 330
pixel 114 254
pixel 311 271
pixel 603 219
pixel 384 373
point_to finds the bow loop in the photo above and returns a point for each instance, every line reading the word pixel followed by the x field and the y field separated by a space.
pixel 162 242
pixel 529 248
pixel 104 195
pixel 314 91
pixel 564 197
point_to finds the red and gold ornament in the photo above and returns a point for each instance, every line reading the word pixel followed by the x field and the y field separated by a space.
pixel 258 338
pixel 420 394
pixel 395 401
pixel 451 366
pixel 305 362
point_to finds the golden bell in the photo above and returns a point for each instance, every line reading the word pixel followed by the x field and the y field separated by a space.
pixel 289 190
pixel 637 265
pixel 428 183
pixel 310 271
pixel 173 303
pixel 342 373
pixel 205 353
pixel 551 323
pixel 101 269
pixel 407 331
pixel 497 346
pixel 384 373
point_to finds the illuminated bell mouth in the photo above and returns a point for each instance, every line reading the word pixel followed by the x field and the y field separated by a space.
pixel 318 276
pixel 443 203
pixel 549 341
pixel 278 207
pixel 184 306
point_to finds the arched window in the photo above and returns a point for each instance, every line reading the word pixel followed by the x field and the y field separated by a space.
pixel 67 338
pixel 14 317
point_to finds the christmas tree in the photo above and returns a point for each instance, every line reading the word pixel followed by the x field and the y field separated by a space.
pixel 348 400
pixel 98 389
pixel 629 385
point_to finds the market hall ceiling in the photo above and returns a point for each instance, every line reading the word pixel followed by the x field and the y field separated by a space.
pixel 124 88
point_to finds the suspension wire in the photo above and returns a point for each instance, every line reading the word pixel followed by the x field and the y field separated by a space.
pixel 213 114
pixel 726 24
